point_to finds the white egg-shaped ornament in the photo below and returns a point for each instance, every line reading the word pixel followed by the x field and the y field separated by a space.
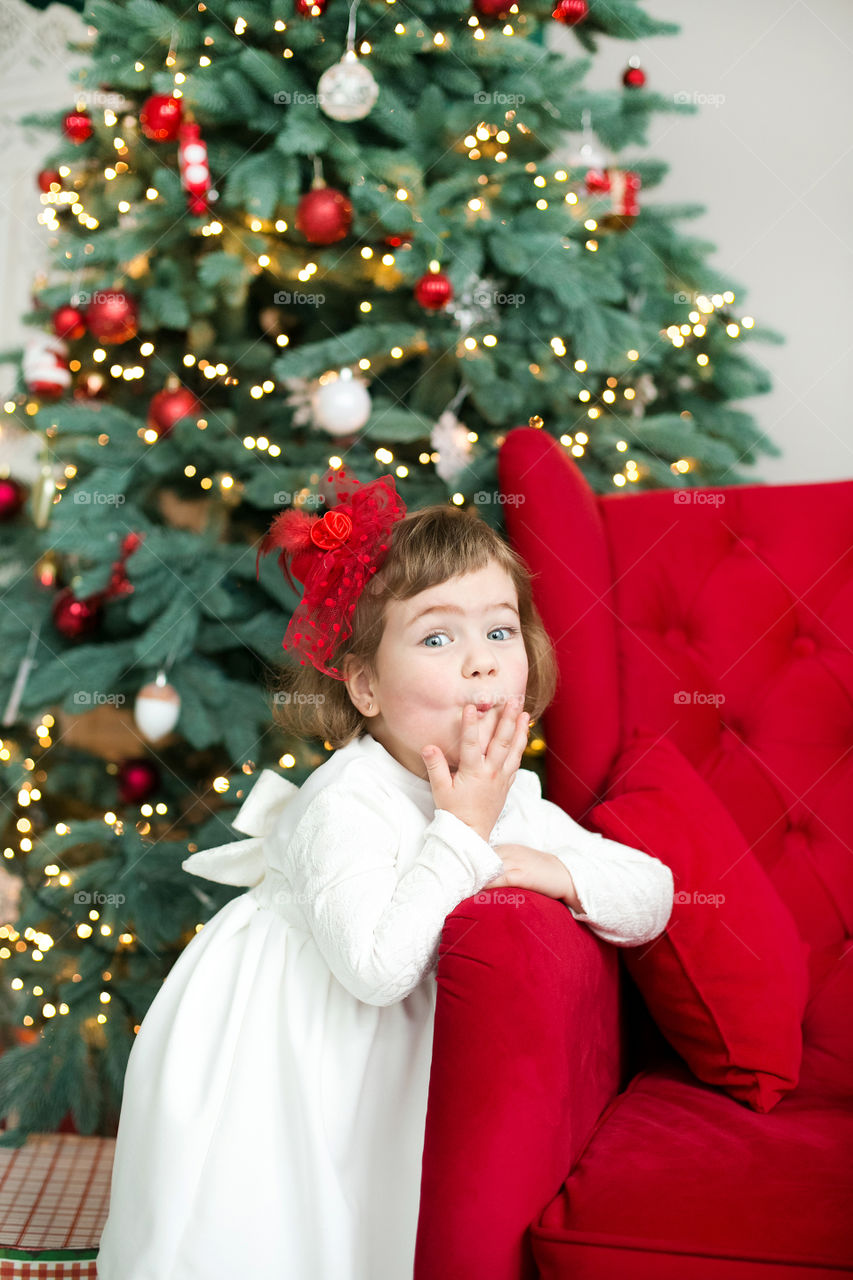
pixel 347 90
pixel 342 406
pixel 157 709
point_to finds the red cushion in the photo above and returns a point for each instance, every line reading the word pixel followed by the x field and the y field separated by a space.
pixel 727 981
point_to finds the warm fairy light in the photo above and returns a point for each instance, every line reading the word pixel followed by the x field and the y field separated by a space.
pixel 621 445
pixel 204 61
pixel 384 456
pixel 582 437
pixel 490 340
pixel 702 359
pixel 152 193
pixel 264 260
pixel 396 353
pixel 470 344
pixel 732 329
pixel 221 785
pixel 747 322
pixel 438 38
pixel 592 245
pixel 365 306
pixel 402 194
pixel 364 47
pixel 388 259
pixel 364 363
pixel 558 346
pixel 239 26
pixel 619 479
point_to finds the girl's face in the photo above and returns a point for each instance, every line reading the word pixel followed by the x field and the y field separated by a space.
pixel 454 643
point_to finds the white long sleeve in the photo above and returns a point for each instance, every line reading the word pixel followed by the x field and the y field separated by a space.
pixel 627 895
pixel 377 930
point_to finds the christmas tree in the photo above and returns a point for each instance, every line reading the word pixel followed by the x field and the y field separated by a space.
pixel 284 236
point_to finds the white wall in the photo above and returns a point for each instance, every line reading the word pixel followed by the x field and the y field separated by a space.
pixel 772 164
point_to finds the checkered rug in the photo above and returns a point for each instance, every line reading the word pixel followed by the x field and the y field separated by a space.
pixel 54 1195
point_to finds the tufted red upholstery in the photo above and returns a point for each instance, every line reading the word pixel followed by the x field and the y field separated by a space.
pixel 722 620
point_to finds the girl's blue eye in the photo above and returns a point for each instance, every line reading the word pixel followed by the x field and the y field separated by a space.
pixel 435 634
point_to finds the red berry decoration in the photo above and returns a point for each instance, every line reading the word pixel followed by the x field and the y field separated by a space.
pixel 112 316
pixel 571 12
pixel 170 405
pixel 324 215
pixel 77 126
pixel 433 291
pixel 48 178
pixel 493 8
pixel 68 322
pixel 12 497
pixel 633 77
pixel 160 117
pixel 138 779
pixel 75 618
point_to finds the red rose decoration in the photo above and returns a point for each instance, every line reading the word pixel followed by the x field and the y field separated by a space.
pixel 334 528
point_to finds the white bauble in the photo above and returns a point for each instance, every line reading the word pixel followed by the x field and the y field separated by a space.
pixel 347 90
pixel 157 709
pixel 341 407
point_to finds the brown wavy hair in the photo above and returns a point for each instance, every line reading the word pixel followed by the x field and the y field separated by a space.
pixel 427 548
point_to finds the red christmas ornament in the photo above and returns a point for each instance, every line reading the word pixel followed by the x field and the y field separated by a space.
pixel 493 8
pixel 310 8
pixel 395 240
pixel 324 215
pixel 160 117
pixel 433 291
pixel 633 77
pixel 571 12
pixel 112 316
pixel 195 171
pixel 120 584
pixel 597 181
pixel 137 780
pixel 170 405
pixel 68 322
pixel 12 498
pixel 48 178
pixel 75 618
pixel 77 125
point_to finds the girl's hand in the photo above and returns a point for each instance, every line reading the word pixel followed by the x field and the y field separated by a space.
pixel 526 868
pixel 477 792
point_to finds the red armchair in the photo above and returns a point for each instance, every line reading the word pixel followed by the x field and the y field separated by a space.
pixel 566 1139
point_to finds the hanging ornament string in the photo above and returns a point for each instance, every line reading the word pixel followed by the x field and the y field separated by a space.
pixel 11 712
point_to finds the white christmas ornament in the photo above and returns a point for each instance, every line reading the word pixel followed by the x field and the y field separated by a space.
pixel 342 406
pixel 449 439
pixel 157 708
pixel 347 90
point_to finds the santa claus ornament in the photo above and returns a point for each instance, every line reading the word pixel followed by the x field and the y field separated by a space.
pixel 45 366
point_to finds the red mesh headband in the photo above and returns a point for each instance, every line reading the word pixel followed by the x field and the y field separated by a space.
pixel 333 555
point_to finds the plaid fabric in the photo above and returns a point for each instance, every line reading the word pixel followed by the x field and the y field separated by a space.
pixel 54 1196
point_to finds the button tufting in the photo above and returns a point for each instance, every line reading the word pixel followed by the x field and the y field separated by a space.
pixel 804 646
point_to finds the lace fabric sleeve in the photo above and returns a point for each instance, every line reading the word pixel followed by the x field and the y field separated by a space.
pixel 377 930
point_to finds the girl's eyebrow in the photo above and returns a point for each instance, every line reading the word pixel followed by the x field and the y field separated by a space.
pixel 455 608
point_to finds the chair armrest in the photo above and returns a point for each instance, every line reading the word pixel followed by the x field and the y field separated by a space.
pixel 527 1052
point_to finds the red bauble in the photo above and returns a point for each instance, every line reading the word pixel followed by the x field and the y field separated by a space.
pixel 396 239
pixel 68 322
pixel 633 77
pixel 137 780
pixel 12 498
pixel 47 177
pixel 493 8
pixel 433 291
pixel 160 117
pixel 75 618
pixel 77 126
pixel 112 316
pixel 170 405
pixel 571 12
pixel 324 215
pixel 310 8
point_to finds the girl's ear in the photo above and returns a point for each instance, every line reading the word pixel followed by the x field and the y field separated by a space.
pixel 358 685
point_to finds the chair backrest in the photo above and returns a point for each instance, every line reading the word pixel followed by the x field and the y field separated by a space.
pixel 720 618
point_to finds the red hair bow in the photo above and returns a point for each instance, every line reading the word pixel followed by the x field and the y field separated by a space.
pixel 333 556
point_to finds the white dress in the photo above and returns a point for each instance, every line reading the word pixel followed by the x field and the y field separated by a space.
pixel 273 1113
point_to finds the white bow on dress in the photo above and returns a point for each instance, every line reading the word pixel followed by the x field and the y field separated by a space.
pixel 242 862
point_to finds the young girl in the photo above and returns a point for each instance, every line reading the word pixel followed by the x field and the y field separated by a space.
pixel 274 1104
